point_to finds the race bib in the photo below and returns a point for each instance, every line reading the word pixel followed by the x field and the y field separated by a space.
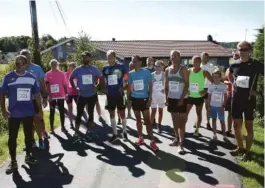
pixel 194 87
pixel 138 85
pixel 23 94
pixel 112 80
pixel 54 88
pixel 158 86
pixel 242 81
pixel 173 86
pixel 87 79
pixel 217 97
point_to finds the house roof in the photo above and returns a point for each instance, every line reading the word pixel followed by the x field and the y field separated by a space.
pixel 162 48
pixel 156 48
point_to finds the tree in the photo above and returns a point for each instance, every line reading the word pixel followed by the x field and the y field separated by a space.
pixel 82 44
pixel 258 54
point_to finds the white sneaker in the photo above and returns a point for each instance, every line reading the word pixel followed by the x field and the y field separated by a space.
pixel 214 138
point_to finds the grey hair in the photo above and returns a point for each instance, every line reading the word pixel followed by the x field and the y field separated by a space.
pixel 173 51
pixel 159 62
pixel 54 61
pixel 24 52
pixel 111 52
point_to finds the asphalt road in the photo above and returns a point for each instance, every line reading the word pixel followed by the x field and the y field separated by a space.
pixel 99 164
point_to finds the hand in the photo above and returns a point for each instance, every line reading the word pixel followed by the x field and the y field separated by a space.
pixel 148 104
pixel 202 93
pixel 40 114
pixel 6 114
pixel 166 103
pixel 44 103
pixel 181 102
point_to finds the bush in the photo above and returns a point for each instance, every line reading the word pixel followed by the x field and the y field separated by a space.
pixel 3 125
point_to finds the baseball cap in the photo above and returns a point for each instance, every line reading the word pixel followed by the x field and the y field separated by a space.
pixel 86 53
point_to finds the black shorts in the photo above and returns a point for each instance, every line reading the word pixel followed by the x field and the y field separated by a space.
pixel 113 102
pixel 71 98
pixel 195 101
pixel 139 104
pixel 243 106
pixel 228 105
pixel 174 108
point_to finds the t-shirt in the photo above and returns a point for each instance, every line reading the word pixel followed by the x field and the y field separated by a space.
pixel 209 68
pixel 139 80
pixel 70 89
pixel 217 92
pixel 87 77
pixel 158 85
pixel 243 76
pixel 113 76
pixel 56 82
pixel 37 71
pixel 151 70
pixel 20 91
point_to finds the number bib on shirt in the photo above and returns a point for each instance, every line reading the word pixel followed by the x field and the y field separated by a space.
pixel 87 79
pixel 173 86
pixel 158 86
pixel 23 94
pixel 217 96
pixel 112 80
pixel 54 88
pixel 138 85
pixel 242 81
pixel 194 87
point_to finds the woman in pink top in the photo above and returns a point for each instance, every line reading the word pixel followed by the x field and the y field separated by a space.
pixel 56 86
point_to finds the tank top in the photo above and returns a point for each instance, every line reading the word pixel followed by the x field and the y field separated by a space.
pixel 176 83
pixel 158 84
pixel 196 83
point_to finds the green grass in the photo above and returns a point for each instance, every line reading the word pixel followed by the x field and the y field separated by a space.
pixel 4 153
pixel 257 155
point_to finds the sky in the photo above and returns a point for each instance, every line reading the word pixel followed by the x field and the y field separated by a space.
pixel 226 21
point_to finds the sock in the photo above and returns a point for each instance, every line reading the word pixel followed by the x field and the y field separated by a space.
pixel 123 122
pixel 114 126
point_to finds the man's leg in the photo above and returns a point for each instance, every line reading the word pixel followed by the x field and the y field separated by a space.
pixel 52 113
pixel 182 123
pixel 90 102
pixel 207 113
pixel 70 110
pixel 113 125
pixel 153 114
pixel 199 119
pixel 175 122
pixel 13 127
pixel 60 103
pixel 81 102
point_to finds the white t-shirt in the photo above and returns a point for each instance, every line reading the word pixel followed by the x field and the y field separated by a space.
pixel 210 68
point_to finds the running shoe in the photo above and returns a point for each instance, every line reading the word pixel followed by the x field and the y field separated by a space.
pixel 34 145
pixel 175 142
pixel 76 138
pixel 196 132
pixel 159 127
pixel 214 138
pixel 139 141
pixel 237 152
pixel 11 167
pixel 124 136
pixel 30 160
pixel 46 135
pixel 245 157
pixel 154 146
pixel 41 144
pixel 209 126
pixel 114 138
pixel 181 150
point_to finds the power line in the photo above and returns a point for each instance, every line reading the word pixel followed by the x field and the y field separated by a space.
pixel 53 12
pixel 62 18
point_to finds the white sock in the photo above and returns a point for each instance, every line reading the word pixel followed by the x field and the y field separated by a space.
pixel 124 125
pixel 114 126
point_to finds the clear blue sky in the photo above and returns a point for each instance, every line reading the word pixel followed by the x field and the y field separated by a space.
pixel 138 20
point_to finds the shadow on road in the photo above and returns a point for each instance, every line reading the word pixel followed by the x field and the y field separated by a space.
pixel 46 173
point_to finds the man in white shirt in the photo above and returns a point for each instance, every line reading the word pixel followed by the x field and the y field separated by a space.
pixel 206 66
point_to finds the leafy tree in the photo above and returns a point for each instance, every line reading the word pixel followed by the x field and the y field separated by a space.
pixel 258 54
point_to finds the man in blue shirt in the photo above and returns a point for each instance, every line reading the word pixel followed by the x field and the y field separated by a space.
pixel 20 87
pixel 114 76
pixel 140 94
pixel 39 124
pixel 87 77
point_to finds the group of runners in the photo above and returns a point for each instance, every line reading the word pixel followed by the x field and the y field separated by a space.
pixel 156 86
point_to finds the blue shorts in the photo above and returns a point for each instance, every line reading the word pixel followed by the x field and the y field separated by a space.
pixel 216 112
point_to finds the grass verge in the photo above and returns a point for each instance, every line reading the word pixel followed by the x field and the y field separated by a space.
pixel 4 153
pixel 256 165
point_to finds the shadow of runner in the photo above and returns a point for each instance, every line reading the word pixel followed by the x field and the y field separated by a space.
pixel 171 165
pixel 45 174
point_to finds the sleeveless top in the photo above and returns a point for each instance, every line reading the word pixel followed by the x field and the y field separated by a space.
pixel 196 83
pixel 176 83
pixel 158 84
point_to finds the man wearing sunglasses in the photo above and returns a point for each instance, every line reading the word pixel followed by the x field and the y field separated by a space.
pixel 20 87
pixel 244 75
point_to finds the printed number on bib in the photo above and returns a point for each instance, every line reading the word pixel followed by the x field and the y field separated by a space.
pixel 54 88
pixel 173 86
pixel 158 86
pixel 242 81
pixel 194 87
pixel 138 85
pixel 23 94
pixel 112 80
pixel 87 79
pixel 217 97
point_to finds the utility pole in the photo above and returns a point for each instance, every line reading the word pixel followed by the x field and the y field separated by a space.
pixel 35 35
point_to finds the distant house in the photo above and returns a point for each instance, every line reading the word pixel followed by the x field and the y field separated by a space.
pixel 158 49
